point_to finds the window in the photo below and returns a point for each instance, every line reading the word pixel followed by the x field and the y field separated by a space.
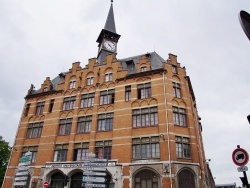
pixel 145 117
pixel 39 108
pixel 182 147
pixel 108 77
pixel 33 150
pixel 34 130
pixel 90 81
pixel 103 149
pixel 45 89
pixel 61 151
pixel 143 69
pixel 107 97
pixel 179 116
pixel 177 90
pixel 130 65
pixel 80 151
pixel 69 103
pixel 146 148
pixel 72 84
pixel 51 104
pixel 144 91
pixel 65 126
pixel 105 122
pixel 127 93
pixel 87 100
pixel 84 124
pixel 27 108
pixel 174 69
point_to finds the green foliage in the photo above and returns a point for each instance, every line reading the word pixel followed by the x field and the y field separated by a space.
pixel 4 158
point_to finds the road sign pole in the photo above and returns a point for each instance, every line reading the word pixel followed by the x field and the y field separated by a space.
pixel 245 176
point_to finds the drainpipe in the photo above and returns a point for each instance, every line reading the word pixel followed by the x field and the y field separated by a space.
pixel 168 137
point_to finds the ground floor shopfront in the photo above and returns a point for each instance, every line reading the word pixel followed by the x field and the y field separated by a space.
pixel 132 175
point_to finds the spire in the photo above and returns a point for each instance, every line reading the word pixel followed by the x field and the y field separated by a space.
pixel 110 22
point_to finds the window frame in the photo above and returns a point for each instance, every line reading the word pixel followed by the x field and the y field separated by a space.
pixel 103 149
pixel 177 89
pixel 40 107
pixel 69 103
pixel 87 100
pixel 80 151
pixel 90 81
pixel 34 130
pixel 179 116
pixel 60 152
pixel 143 68
pixel 144 117
pixel 183 147
pixel 107 97
pixel 105 122
pixel 72 84
pixel 108 77
pixel 128 93
pixel 84 124
pixel 65 126
pixel 146 148
pixel 33 150
pixel 144 90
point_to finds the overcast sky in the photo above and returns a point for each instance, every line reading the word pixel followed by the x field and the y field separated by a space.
pixel 42 38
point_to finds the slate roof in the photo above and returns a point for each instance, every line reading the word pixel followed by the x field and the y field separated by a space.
pixel 110 21
pixel 156 61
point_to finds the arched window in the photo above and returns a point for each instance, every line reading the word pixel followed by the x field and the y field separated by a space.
pixel 76 180
pixel 57 180
pixel 146 179
pixel 186 179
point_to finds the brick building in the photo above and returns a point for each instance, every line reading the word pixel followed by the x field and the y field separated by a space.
pixel 139 113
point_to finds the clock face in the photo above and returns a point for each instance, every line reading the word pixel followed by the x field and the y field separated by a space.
pixel 109 45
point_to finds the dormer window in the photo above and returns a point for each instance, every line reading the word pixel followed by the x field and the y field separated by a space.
pixel 45 89
pixel 72 84
pixel 130 65
pixel 108 77
pixel 143 69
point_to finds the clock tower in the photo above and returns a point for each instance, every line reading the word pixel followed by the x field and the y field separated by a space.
pixel 108 38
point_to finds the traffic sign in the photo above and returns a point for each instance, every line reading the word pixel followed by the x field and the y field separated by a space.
pixel 91 173
pixel 94 169
pixel 240 157
pixel 242 169
pixel 93 179
pixel 94 185
pixel 95 164
pixel 45 184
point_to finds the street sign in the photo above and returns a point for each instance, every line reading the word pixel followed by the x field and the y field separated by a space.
pixel 45 184
pixel 93 179
pixel 94 185
pixel 97 160
pixel 91 173
pixel 21 178
pixel 20 183
pixel 240 157
pixel 95 164
pixel 242 169
pixel 94 169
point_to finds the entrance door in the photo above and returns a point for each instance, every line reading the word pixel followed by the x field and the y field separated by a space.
pixel 76 180
pixel 57 180
pixel 146 179
pixel 186 179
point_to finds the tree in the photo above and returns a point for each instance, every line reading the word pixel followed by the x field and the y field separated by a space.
pixel 4 158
